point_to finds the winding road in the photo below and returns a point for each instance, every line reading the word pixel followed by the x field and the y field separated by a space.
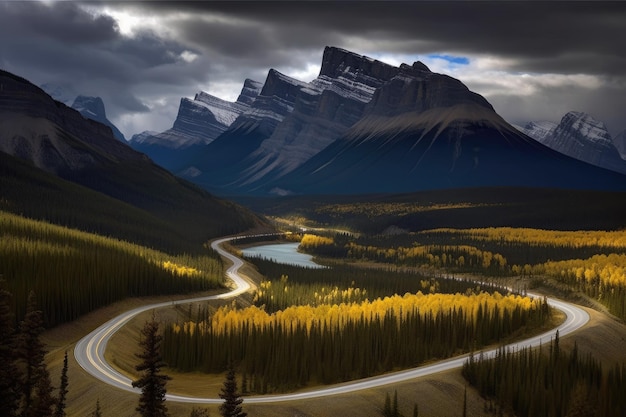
pixel 89 351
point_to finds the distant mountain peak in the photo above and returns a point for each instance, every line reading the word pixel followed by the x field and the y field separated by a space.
pixel 93 108
pixel 87 104
pixel 579 135
pixel 587 126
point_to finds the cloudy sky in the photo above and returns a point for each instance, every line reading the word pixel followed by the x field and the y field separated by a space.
pixel 531 60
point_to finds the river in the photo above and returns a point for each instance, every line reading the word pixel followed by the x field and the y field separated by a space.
pixel 282 253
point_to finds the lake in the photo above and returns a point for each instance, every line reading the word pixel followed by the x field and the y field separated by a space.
pixel 282 253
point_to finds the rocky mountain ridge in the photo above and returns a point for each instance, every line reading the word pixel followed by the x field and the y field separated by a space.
pixel 198 123
pixel 580 136
pixel 365 126
pixel 292 120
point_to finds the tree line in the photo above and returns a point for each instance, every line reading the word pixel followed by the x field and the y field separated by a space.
pixel 303 283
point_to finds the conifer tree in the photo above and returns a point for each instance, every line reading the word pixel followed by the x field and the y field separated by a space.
pixel 152 382
pixel 231 407
pixel 8 372
pixel 35 386
pixel 60 407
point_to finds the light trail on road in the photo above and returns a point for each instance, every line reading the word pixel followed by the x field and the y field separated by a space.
pixel 89 351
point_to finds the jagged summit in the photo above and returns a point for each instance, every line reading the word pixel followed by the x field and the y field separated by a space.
pixel 93 108
pixel 89 105
pixel 251 89
pixel 585 126
pixel 337 62
pixel 580 136
pixel 198 123
pixel 417 66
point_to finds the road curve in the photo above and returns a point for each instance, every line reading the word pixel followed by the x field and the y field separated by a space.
pixel 89 351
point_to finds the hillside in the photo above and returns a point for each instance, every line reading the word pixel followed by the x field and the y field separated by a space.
pixel 59 166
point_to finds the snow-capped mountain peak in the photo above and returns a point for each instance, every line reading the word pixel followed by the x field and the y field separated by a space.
pixel 580 136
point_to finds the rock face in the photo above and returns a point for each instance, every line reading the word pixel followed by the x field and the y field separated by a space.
pixel 93 108
pixel 291 121
pixel 249 92
pixel 580 136
pixel 198 123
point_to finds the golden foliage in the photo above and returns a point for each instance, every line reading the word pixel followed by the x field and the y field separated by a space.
pixel 228 319
pixel 313 241
pixel 579 238
pixel 605 270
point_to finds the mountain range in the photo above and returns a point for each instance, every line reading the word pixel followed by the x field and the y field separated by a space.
pixel 580 136
pixel 364 126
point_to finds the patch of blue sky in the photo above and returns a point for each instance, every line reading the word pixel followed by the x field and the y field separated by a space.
pixel 459 60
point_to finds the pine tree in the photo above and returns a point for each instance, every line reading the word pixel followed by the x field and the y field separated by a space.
pixel 35 386
pixel 9 394
pixel 152 382
pixel 60 408
pixel 231 407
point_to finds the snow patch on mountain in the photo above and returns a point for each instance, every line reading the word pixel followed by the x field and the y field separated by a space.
pixel 579 135
pixel 538 130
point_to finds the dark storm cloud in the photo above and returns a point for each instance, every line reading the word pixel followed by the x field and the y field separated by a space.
pixel 63 22
pixel 61 42
pixel 182 47
pixel 544 36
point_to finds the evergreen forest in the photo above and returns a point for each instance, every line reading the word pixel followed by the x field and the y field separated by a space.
pixel 548 382
pixel 74 272
pixel 309 326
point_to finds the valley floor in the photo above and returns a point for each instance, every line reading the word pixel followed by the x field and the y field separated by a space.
pixel 438 395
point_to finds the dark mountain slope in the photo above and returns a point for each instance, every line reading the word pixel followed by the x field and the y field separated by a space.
pixel 56 139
